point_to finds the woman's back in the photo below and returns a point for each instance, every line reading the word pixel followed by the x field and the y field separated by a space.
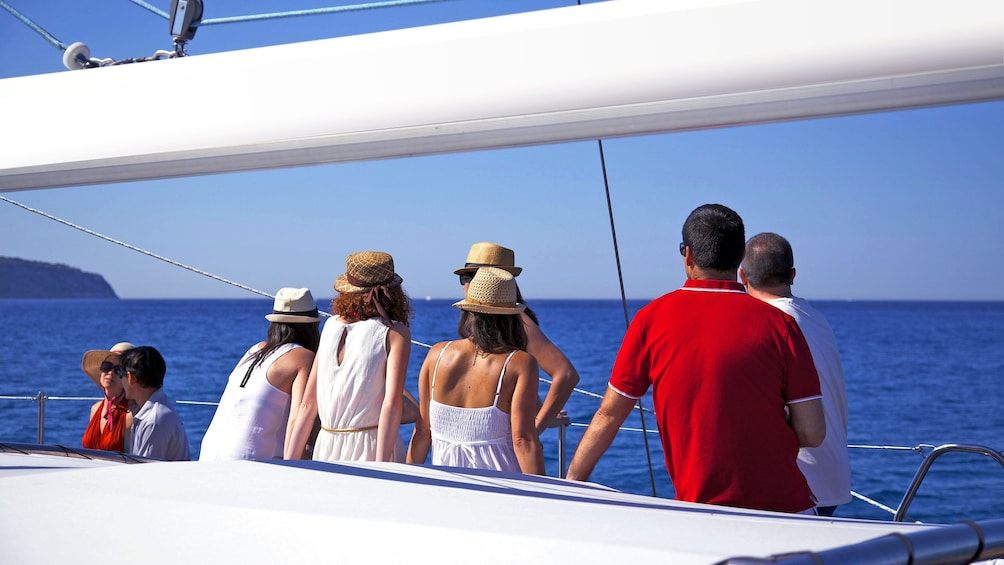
pixel 465 432
pixel 350 393
pixel 250 421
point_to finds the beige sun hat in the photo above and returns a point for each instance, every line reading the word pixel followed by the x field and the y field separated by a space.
pixel 365 270
pixel 492 291
pixel 91 363
pixel 486 254
pixel 293 306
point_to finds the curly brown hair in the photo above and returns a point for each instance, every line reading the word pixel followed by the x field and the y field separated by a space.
pixel 354 306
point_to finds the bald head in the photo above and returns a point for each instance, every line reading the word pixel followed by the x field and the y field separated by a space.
pixel 769 263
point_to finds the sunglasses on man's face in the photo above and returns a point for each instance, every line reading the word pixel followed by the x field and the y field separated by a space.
pixel 466 278
pixel 119 371
pixel 109 367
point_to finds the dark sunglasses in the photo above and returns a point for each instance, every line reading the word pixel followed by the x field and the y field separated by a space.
pixel 466 278
pixel 683 248
pixel 119 371
pixel 109 367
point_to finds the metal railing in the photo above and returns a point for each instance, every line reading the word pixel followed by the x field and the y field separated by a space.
pixel 930 453
pixel 41 398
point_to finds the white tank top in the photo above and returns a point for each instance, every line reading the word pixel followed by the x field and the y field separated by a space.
pixel 250 422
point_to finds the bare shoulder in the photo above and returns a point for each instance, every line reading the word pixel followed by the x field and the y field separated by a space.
pixel 523 360
pixel 401 330
pixel 297 357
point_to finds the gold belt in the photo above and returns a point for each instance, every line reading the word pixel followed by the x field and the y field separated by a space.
pixel 349 430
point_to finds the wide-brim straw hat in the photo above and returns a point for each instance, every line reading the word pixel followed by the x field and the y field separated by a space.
pixel 365 270
pixel 486 254
pixel 492 291
pixel 91 362
pixel 294 306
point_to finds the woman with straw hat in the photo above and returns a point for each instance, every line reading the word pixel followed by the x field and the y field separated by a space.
pixel 478 395
pixel 552 361
pixel 110 420
pixel 357 381
pixel 253 417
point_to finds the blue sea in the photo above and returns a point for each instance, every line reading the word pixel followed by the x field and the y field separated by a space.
pixel 917 373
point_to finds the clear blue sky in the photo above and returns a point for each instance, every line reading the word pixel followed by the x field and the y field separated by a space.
pixel 903 205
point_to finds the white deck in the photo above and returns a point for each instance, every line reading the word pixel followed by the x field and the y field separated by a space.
pixel 307 512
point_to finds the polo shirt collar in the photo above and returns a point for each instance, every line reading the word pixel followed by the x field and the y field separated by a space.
pixel 714 286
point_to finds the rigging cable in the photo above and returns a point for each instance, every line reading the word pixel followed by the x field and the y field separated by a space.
pixel 292 13
pixel 627 321
pixel 37 28
pixel 137 249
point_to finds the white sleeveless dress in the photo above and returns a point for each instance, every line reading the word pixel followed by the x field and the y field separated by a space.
pixel 474 438
pixel 250 421
pixel 350 395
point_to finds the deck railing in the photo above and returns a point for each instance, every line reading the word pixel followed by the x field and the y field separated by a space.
pixel 929 452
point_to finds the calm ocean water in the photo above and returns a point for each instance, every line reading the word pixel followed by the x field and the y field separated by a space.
pixel 917 373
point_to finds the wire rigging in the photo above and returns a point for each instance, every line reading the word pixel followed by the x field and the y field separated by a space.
pixel 37 28
pixel 137 249
pixel 292 13
pixel 627 321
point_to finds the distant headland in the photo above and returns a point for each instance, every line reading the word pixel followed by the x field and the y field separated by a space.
pixel 20 278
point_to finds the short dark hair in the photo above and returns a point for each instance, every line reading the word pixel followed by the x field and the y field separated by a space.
pixel 146 364
pixel 716 237
pixel 493 333
pixel 769 260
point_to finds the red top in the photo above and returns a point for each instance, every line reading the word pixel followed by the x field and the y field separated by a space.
pixel 113 437
pixel 722 366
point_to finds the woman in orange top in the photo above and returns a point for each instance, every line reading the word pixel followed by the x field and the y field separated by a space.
pixel 110 420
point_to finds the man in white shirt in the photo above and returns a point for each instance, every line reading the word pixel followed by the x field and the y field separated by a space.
pixel 768 272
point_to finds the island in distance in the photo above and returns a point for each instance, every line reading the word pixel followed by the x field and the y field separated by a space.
pixel 20 278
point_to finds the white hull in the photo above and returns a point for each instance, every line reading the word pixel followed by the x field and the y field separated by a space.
pixel 258 512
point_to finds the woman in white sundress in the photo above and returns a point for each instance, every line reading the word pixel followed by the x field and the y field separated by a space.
pixel 357 381
pixel 478 395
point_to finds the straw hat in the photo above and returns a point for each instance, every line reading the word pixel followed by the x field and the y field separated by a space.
pixel 365 270
pixel 492 291
pixel 293 306
pixel 487 254
pixel 91 363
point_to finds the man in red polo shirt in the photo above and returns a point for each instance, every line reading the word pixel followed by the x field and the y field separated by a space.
pixel 734 386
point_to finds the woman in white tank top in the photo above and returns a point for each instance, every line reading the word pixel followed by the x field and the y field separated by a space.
pixel 252 419
pixel 478 395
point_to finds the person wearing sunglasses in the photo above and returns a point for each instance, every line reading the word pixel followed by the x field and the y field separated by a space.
pixel 157 427
pixel 478 395
pixel 110 420
pixel 552 361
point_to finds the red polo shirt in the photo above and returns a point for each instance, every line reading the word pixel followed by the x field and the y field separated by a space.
pixel 722 366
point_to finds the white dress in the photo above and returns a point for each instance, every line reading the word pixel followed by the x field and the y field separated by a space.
pixel 474 438
pixel 350 395
pixel 250 422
